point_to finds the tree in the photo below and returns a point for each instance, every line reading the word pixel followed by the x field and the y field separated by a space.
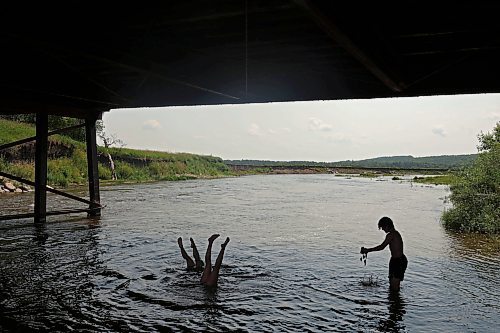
pixel 475 194
pixel 108 142
pixel 487 141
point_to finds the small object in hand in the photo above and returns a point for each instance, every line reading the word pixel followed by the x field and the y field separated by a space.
pixel 364 254
pixel 363 257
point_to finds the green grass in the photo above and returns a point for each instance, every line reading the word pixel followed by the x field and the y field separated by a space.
pixel 436 180
pixel 370 175
pixel 157 155
pixel 159 165
pixel 71 170
pixel 13 131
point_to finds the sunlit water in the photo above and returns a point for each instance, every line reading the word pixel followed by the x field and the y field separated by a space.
pixel 292 265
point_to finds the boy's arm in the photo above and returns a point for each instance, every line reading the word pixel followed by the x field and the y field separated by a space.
pixel 380 247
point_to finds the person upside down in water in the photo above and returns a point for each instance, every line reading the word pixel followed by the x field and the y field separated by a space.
pixel 210 274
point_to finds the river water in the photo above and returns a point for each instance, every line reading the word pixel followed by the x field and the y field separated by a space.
pixel 292 264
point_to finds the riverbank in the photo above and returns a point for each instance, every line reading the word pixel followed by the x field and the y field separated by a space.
pixel 11 187
pixel 424 176
pixel 71 172
pixel 67 164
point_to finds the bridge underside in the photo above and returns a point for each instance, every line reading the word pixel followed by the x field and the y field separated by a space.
pixel 78 59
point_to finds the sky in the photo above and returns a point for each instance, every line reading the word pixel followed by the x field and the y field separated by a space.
pixel 312 131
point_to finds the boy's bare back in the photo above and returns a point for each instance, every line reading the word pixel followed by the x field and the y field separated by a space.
pixel 395 243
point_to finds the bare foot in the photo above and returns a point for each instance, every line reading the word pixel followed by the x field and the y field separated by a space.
pixel 223 245
pixel 179 240
pixel 213 237
pixel 193 245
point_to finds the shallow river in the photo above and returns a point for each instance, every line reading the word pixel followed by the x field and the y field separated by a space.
pixel 292 264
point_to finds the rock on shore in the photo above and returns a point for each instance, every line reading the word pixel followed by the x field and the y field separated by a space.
pixel 9 187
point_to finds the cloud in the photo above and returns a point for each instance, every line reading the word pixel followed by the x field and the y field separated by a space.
pixel 439 130
pixel 282 130
pixel 151 124
pixel 338 138
pixel 316 124
pixel 254 130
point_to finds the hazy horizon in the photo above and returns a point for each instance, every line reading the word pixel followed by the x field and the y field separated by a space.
pixel 320 131
pixel 370 158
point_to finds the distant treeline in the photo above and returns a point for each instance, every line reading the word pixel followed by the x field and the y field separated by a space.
pixel 396 162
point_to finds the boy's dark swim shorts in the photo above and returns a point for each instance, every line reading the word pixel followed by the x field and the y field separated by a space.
pixel 397 267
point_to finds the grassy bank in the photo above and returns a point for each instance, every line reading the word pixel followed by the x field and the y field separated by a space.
pixel 420 175
pixel 130 165
pixel 436 180
pixel 67 163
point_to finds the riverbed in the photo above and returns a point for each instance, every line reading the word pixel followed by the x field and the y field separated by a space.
pixel 292 265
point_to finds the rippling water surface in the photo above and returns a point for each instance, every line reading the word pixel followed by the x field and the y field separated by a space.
pixel 292 264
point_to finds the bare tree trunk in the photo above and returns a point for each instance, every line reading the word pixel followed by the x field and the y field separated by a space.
pixel 112 167
pixel 108 142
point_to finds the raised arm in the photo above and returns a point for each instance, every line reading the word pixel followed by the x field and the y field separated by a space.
pixel 380 247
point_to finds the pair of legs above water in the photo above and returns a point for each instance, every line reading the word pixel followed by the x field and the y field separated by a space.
pixel 196 265
pixel 210 274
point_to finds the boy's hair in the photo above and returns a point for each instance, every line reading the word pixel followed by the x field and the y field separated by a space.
pixel 385 221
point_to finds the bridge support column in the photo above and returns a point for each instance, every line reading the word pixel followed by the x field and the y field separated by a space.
pixel 42 121
pixel 93 173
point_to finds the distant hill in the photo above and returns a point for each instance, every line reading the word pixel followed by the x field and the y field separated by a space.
pixel 396 162
pixel 404 162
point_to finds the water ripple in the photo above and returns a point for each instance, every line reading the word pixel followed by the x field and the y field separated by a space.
pixel 292 264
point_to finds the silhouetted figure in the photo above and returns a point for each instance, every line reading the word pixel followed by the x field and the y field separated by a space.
pixel 210 274
pixel 398 262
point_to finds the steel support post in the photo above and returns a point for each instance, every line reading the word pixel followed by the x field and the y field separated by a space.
pixel 93 173
pixel 42 126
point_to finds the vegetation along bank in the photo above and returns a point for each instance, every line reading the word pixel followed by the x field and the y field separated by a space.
pixel 474 179
pixel 67 163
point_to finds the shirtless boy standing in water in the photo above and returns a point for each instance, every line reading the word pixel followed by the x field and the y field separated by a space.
pixel 210 275
pixel 398 262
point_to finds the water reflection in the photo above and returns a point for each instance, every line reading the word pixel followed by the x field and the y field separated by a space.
pixel 487 246
pixel 212 312
pixel 47 275
pixel 40 234
pixel 396 310
pixel 293 265
pixel 472 268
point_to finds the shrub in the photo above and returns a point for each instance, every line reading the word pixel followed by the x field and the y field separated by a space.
pixel 123 170
pixel 64 171
pixel 475 192
pixel 166 170
pixel 104 172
